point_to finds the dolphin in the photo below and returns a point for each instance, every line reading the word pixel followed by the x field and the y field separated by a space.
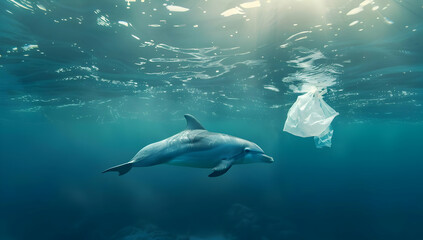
pixel 199 148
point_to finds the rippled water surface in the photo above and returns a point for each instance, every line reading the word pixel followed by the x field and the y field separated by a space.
pixel 84 84
pixel 113 59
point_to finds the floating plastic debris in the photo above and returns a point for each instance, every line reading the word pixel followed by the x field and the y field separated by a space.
pixel 324 139
pixel 174 8
pixel 311 116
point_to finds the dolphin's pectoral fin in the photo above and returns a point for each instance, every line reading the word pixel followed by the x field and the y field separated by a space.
pixel 192 123
pixel 222 168
pixel 122 169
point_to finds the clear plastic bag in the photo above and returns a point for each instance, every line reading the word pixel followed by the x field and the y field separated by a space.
pixel 324 139
pixel 311 116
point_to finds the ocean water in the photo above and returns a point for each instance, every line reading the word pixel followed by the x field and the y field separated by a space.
pixel 85 84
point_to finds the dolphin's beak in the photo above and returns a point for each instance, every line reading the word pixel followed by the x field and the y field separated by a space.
pixel 267 159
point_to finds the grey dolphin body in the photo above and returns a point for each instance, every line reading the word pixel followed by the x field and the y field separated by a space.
pixel 197 147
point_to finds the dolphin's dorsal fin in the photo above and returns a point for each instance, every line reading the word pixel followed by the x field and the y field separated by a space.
pixel 192 123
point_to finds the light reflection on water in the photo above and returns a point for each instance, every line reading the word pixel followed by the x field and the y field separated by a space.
pixel 259 52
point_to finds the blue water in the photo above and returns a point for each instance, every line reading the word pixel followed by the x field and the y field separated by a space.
pixel 85 84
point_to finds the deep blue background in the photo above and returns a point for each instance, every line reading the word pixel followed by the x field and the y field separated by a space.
pixel 367 186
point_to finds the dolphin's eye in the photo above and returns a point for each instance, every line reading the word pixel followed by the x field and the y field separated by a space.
pixel 247 150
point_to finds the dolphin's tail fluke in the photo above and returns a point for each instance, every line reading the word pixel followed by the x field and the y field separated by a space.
pixel 122 169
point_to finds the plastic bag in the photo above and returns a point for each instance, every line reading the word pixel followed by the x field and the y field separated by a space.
pixel 311 116
pixel 324 139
